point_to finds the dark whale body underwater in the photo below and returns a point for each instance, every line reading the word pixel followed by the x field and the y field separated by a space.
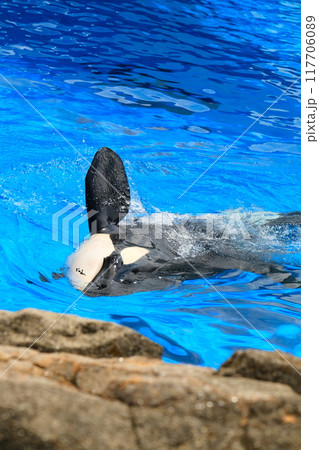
pixel 165 263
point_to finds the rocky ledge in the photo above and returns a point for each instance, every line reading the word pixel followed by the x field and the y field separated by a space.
pixel 87 384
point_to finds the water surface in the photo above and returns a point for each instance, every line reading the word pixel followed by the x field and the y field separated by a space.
pixel 168 85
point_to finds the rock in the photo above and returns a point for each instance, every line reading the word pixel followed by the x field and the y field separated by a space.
pixel 65 401
pixel 267 366
pixel 73 334
pixel 72 393
pixel 38 414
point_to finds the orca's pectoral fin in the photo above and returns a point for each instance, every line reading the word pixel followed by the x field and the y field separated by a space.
pixel 107 191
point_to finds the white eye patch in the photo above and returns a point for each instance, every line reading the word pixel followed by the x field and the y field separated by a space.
pixel 87 261
pixel 131 254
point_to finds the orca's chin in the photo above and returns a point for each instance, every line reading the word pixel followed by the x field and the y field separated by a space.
pixel 83 266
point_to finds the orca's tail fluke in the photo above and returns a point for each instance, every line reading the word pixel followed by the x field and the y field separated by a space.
pixel 107 192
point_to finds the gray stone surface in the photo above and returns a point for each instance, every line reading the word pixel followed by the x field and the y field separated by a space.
pixel 267 366
pixel 73 334
pixel 38 414
pixel 66 401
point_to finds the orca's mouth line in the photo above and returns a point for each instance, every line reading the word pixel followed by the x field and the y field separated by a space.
pixel 239 137
pixel 60 134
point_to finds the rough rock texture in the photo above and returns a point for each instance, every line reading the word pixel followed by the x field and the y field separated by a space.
pixel 267 366
pixel 73 334
pixel 37 414
pixel 65 401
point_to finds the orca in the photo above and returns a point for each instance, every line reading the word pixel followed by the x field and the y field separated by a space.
pixel 112 263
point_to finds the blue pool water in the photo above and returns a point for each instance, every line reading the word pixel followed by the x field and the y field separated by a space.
pixel 169 85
